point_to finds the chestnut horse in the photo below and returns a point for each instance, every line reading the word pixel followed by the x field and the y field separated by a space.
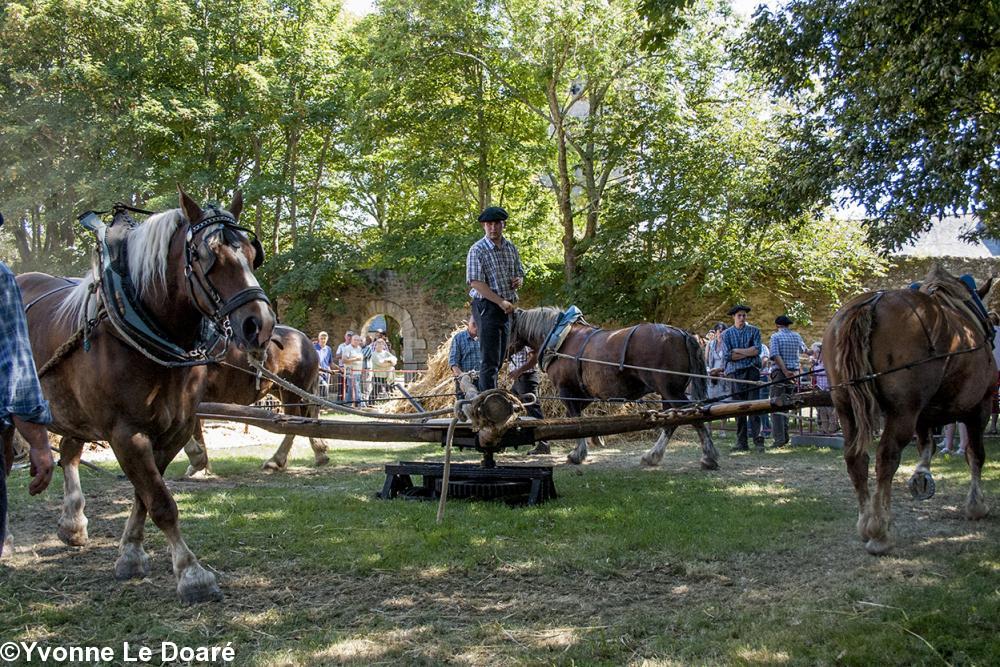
pixel 920 359
pixel 657 347
pixel 291 356
pixel 113 392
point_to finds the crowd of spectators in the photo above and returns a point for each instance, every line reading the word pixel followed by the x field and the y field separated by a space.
pixel 360 371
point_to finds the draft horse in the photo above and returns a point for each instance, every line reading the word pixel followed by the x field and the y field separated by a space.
pixel 292 357
pixel 920 359
pixel 656 347
pixel 186 264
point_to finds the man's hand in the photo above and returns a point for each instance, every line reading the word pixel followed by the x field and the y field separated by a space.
pixel 788 374
pixel 507 306
pixel 41 470
pixel 40 453
pixel 516 282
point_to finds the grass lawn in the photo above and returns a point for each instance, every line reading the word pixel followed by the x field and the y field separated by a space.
pixel 755 563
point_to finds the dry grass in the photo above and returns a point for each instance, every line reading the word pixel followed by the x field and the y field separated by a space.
pixel 438 380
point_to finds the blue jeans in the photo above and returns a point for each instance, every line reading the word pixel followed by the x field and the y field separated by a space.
pixel 352 389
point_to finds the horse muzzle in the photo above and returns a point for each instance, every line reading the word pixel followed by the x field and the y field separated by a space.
pixel 253 324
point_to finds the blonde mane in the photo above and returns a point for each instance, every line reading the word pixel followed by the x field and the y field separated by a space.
pixel 148 251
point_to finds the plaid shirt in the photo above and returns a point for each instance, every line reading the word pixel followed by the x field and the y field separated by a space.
pixel 494 266
pixel 820 377
pixel 787 345
pixel 733 339
pixel 464 352
pixel 519 358
pixel 20 391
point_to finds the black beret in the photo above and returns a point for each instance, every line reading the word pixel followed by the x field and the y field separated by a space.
pixel 738 307
pixel 783 320
pixel 493 213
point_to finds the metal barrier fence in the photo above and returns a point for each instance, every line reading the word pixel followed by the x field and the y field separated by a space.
pixel 367 385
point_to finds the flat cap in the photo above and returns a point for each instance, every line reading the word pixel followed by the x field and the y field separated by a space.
pixel 783 320
pixel 738 307
pixel 492 214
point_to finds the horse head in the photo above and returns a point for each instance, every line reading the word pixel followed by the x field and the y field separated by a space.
pixel 220 257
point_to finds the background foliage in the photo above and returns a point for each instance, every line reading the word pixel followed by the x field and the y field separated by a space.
pixel 631 141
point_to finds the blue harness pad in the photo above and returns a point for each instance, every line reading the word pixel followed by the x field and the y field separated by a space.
pixel 555 338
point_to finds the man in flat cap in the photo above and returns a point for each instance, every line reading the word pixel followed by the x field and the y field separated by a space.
pixel 786 346
pixel 22 405
pixel 493 270
pixel 741 350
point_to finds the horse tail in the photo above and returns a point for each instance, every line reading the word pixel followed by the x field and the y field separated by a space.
pixel 696 365
pixel 852 356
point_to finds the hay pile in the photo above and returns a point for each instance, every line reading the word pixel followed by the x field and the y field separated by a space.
pixel 435 389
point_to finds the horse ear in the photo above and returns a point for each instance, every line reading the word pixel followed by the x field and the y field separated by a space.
pixel 237 206
pixel 189 207
pixel 984 290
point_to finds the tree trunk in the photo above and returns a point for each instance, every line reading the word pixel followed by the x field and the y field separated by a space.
pixel 563 187
pixel 318 182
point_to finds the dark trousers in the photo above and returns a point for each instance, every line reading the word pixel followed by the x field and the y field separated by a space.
pixel 780 422
pixel 3 496
pixel 527 383
pixel 494 329
pixel 747 392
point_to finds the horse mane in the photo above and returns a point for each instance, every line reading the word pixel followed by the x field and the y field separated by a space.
pixel 942 283
pixel 536 323
pixel 148 250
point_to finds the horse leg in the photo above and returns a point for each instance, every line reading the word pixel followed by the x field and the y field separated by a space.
pixel 655 453
pixel 320 449
pixel 573 410
pixel 878 519
pixel 975 455
pixel 72 526
pixel 921 483
pixel 709 454
pixel 197 452
pixel 279 460
pixel 133 561
pixel 857 460
pixel 144 470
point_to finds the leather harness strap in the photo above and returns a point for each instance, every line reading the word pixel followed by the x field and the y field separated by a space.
pixel 583 348
pixel 628 337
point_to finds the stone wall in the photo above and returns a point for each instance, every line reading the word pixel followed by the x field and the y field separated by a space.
pixel 422 322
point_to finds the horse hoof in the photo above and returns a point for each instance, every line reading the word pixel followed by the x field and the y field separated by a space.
pixel 878 547
pixel 273 466
pixel 132 564
pixel 322 460
pixel 73 535
pixel 574 459
pixel 198 585
pixel 922 486
pixel 647 460
pixel 976 512
pixel 709 464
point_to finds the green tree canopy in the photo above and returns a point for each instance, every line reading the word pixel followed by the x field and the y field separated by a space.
pixel 894 104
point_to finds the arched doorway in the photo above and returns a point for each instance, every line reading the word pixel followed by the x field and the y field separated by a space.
pixel 412 350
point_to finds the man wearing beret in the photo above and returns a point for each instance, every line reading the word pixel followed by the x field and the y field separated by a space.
pixel 22 405
pixel 741 350
pixel 493 270
pixel 786 345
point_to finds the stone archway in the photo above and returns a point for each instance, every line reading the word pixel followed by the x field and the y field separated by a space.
pixel 414 352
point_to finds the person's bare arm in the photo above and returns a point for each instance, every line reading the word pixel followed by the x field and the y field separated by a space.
pixel 40 454
pixel 526 366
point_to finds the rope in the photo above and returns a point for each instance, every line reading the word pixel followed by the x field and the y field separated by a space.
pixel 336 407
pixel 62 351
pixel 652 370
